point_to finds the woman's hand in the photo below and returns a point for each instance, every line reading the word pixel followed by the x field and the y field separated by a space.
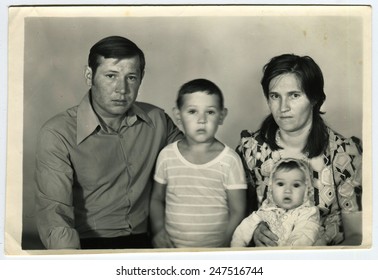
pixel 263 237
pixel 162 240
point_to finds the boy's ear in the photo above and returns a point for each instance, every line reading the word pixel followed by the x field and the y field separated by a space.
pixel 223 116
pixel 88 75
pixel 176 114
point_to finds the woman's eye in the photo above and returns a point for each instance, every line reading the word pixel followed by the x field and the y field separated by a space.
pixel 273 96
pixel 295 95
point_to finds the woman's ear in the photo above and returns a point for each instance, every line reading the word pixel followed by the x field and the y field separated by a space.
pixel 223 115
pixel 88 75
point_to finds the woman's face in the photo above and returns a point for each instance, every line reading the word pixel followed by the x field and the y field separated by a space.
pixel 289 105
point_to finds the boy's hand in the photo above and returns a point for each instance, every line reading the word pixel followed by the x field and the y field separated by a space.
pixel 161 240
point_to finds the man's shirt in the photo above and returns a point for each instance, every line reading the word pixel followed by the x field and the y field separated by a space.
pixel 95 182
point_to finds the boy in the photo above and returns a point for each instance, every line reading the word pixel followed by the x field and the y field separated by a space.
pixel 199 195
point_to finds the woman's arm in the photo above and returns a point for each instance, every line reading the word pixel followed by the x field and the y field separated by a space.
pixel 352 223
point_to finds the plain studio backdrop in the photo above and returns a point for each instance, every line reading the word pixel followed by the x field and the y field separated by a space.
pixel 228 50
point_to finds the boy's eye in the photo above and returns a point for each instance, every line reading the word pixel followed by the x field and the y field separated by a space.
pixel 211 112
pixel 192 111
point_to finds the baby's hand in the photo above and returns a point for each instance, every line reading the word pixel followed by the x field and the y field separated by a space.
pixel 162 240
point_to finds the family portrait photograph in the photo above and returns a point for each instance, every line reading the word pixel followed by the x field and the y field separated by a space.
pixel 184 128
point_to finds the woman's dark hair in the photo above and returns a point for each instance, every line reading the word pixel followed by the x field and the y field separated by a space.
pixel 312 84
pixel 114 47
pixel 199 85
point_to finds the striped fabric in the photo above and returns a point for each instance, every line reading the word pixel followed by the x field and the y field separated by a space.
pixel 196 198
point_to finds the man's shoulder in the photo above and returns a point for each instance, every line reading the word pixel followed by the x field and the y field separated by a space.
pixel 62 120
pixel 147 107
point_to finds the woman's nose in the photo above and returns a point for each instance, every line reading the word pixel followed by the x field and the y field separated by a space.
pixel 284 106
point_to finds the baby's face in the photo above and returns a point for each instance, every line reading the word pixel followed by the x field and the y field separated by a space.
pixel 289 187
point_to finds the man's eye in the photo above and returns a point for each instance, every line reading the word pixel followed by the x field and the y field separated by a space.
pixel 133 78
pixel 110 76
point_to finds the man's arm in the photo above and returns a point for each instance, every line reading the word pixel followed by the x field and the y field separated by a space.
pixel 54 202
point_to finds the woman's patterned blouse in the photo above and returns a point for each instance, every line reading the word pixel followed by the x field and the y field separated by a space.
pixel 337 178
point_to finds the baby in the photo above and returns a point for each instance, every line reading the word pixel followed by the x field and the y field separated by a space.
pixel 288 209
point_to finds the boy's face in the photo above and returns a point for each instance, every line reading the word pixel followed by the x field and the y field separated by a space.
pixel 200 116
pixel 288 188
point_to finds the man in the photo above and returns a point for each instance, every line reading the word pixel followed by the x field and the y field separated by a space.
pixel 94 161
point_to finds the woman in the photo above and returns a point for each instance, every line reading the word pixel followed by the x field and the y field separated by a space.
pixel 293 87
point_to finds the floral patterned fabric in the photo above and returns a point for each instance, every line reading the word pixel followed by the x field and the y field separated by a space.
pixel 337 178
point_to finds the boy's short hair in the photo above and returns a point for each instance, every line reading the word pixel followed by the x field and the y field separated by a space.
pixel 199 85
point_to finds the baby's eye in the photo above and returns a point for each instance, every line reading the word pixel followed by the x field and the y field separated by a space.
pixel 297 185
pixel 280 184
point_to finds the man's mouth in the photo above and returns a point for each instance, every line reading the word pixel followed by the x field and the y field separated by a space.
pixel 120 102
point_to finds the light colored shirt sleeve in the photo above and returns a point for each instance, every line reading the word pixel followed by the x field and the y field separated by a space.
pixel 54 177
pixel 244 232
pixel 306 228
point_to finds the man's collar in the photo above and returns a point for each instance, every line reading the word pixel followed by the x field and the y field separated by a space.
pixel 87 120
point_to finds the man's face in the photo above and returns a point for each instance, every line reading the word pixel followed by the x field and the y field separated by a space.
pixel 115 85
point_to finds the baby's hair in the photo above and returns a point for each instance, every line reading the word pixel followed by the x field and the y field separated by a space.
pixel 288 165
pixel 199 85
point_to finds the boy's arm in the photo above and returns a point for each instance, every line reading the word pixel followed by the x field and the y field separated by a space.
pixel 160 238
pixel 237 208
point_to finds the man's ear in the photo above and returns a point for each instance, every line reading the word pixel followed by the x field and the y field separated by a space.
pixel 88 75
pixel 223 116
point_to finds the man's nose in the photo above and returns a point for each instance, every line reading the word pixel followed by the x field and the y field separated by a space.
pixel 122 86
